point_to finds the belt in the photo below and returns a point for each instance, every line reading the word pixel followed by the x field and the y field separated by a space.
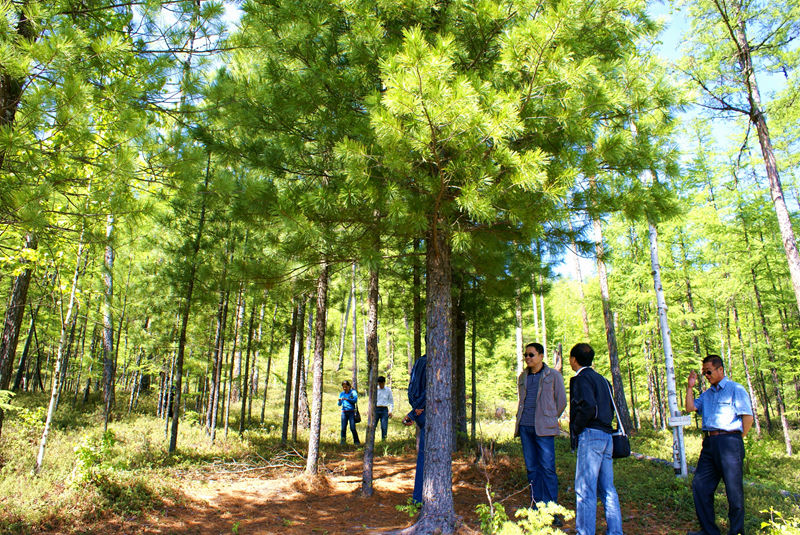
pixel 717 432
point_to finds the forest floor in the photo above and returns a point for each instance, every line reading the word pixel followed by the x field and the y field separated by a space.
pixel 239 501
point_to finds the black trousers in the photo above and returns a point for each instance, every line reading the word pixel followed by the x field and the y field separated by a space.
pixel 722 457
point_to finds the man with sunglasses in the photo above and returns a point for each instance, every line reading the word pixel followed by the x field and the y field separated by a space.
pixel 542 399
pixel 727 416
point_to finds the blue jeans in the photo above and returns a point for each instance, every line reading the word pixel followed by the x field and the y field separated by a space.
pixel 540 461
pixel 349 416
pixel 722 457
pixel 382 416
pixel 594 474
pixel 417 495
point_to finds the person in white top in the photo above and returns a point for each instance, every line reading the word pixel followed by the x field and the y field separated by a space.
pixel 385 406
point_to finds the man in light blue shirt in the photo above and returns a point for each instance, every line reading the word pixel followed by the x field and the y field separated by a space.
pixel 727 416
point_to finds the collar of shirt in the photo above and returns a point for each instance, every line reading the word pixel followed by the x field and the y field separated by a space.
pixel 720 385
pixel 580 370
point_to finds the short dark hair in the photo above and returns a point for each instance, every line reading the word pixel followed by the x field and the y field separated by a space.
pixel 381 379
pixel 582 353
pixel 714 360
pixel 346 383
pixel 537 346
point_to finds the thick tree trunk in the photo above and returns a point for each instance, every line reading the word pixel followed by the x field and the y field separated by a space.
pixel 372 376
pixel 438 515
pixel 312 460
pixel 287 400
pixel 13 321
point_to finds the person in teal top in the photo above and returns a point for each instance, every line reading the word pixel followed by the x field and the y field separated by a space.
pixel 347 400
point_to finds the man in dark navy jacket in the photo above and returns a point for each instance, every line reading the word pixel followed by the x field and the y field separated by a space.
pixel 417 387
pixel 590 415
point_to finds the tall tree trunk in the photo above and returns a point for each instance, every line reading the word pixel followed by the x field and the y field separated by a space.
pixel 437 513
pixel 773 369
pixel 474 413
pixel 372 375
pixel 191 275
pixel 298 365
pixel 416 303
pixel 56 388
pixel 753 398
pixel 738 31
pixel 355 331
pixel 534 296
pixel 269 361
pixel 611 337
pixel 519 348
pixel 108 323
pixel 236 370
pixel 13 319
pixel 689 296
pixel 23 359
pixel 678 449
pixel 459 395
pixel 219 350
pixel 544 318
pixel 287 401
pixel 579 276
pixel 250 328
pixel 312 460
pixel 345 315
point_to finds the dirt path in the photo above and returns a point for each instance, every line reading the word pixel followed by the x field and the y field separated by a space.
pixel 260 502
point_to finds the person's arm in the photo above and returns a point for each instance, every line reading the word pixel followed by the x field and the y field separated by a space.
pixel 560 394
pixel 391 402
pixel 353 396
pixel 690 382
pixel 584 404
pixel 747 423
pixel 340 398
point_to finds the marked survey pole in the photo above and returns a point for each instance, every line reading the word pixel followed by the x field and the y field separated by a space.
pixel 676 420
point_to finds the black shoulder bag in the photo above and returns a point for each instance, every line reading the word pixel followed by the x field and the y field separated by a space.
pixel 622 446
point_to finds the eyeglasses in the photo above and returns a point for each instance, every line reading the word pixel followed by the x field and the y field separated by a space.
pixel 708 373
pixel 530 355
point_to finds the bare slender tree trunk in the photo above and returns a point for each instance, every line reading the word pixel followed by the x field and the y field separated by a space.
pixel 269 361
pixel 298 365
pixel 534 296
pixel 108 323
pixel 678 448
pixel 738 31
pixel 312 460
pixel 247 367
pixel 579 276
pixel 474 413
pixel 372 376
pixel 344 330
pixel 753 397
pixel 56 388
pixel 416 303
pixel 611 336
pixel 287 402
pixel 355 331
pixel 518 331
